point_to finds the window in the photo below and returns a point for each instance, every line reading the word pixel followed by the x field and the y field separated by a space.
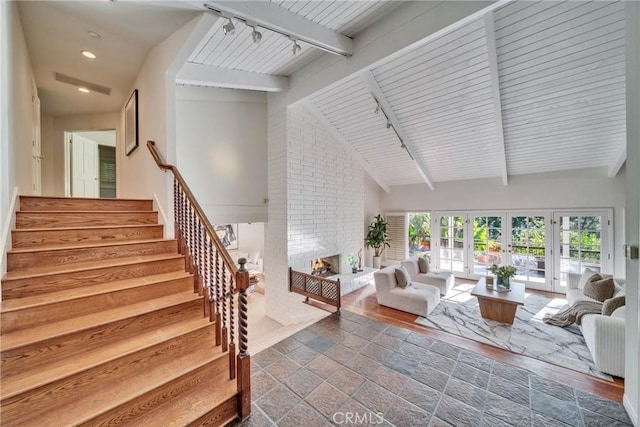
pixel 487 243
pixel 419 234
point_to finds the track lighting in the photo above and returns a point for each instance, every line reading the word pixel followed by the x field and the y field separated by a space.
pixel 296 47
pixel 256 36
pixel 377 107
pixel 228 28
pixel 388 123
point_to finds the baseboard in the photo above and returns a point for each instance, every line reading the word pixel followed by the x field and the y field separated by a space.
pixel 630 410
pixel 5 238
pixel 168 231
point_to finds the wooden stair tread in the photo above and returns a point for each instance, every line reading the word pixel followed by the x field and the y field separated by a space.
pixel 81 266
pixel 133 199
pixel 87 246
pixel 58 369
pixel 90 406
pixel 79 227
pixel 82 292
pixel 24 337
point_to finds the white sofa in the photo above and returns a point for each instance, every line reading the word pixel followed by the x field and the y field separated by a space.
pixel 443 280
pixel 604 335
pixel 254 261
pixel 417 298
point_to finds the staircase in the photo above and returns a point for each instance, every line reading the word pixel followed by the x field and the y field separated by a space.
pixel 101 325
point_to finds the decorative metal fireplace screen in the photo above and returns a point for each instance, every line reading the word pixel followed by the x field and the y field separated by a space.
pixel 315 287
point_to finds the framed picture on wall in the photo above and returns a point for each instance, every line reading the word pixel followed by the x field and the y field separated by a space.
pixel 228 235
pixel 131 123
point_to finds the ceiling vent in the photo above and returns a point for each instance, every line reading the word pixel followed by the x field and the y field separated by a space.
pixel 81 83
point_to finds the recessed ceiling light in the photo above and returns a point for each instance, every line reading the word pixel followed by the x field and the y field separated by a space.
pixel 83 89
pixel 88 54
pixel 94 34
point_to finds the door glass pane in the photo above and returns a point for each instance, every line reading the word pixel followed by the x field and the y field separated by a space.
pixel 419 234
pixel 452 243
pixel 528 251
pixel 580 244
pixel 487 243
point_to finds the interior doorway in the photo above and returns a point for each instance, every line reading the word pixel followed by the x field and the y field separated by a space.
pixel 91 164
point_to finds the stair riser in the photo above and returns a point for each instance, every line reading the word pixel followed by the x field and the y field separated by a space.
pixel 83 219
pixel 46 399
pixel 55 282
pixel 68 204
pixel 133 412
pixel 31 356
pixel 68 237
pixel 21 260
pixel 30 317
pixel 222 415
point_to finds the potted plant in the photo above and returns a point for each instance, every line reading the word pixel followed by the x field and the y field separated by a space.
pixel 377 238
pixel 503 274
pixel 353 260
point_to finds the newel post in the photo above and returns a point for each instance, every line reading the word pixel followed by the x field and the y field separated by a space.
pixel 243 359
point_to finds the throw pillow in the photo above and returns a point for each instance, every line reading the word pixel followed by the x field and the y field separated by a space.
pixel 423 264
pixel 610 305
pixel 253 257
pixel 402 277
pixel 598 288
pixel 586 275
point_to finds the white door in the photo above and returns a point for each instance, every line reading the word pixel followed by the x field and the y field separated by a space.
pixel 582 241
pixel 36 152
pixel 488 244
pixel 451 244
pixel 84 168
pixel 529 248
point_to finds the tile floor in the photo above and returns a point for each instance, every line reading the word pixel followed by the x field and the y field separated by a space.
pixel 347 370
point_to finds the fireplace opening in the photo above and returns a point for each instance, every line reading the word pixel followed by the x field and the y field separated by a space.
pixel 326 266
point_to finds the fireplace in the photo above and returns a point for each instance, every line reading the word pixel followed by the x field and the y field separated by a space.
pixel 326 266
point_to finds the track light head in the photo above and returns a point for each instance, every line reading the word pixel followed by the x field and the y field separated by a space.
pixel 256 36
pixel 388 123
pixel 377 107
pixel 296 47
pixel 229 28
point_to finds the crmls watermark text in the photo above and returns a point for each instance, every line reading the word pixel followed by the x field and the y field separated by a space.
pixel 358 418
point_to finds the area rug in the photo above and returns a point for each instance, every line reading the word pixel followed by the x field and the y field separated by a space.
pixel 458 313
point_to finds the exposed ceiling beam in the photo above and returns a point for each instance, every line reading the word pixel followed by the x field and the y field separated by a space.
pixel 372 84
pixel 489 26
pixel 207 75
pixel 273 17
pixel 337 135
pixel 615 167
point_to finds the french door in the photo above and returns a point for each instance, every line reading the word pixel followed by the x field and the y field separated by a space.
pixel 452 243
pixel 488 242
pixel 529 248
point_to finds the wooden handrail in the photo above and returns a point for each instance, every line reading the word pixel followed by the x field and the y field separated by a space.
pixel 151 145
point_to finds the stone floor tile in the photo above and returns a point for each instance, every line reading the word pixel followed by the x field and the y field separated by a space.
pixel 439 362
pixel 445 349
pixel 303 355
pixel 397 332
pixel 553 388
pixel 303 382
pixel 327 399
pixel 437 422
pixel 278 402
pixel 602 406
pixel 591 419
pixel 257 419
pixel 388 378
pixel 323 366
pixel 320 344
pixel 305 415
pixel 287 345
pixel 476 360
pixel 340 353
pixel 347 325
pixel 420 395
pixel 376 352
pixel 413 351
pixel 255 368
pixel 304 335
pixel 362 365
pixel 373 323
pixel 261 383
pixel 281 369
pixel 509 390
pixel 266 357
pixel 465 392
pixel 539 420
pixel 507 411
pixel 388 342
pixel 374 397
pixel 352 341
pixel 352 413
pixel 432 377
pixel 511 373
pixel 366 331
pixel 489 421
pixel 405 414
pixel 404 364
pixel 561 410
pixel 345 380
pixel 354 317
pixel 419 340
pixel 471 375
pixel 457 413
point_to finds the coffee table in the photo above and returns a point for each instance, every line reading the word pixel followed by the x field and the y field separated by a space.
pixel 499 306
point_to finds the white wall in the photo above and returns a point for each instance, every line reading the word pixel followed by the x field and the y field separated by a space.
pixel 47 143
pixel 222 151
pixel 632 374
pixel 251 237
pixel 576 189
